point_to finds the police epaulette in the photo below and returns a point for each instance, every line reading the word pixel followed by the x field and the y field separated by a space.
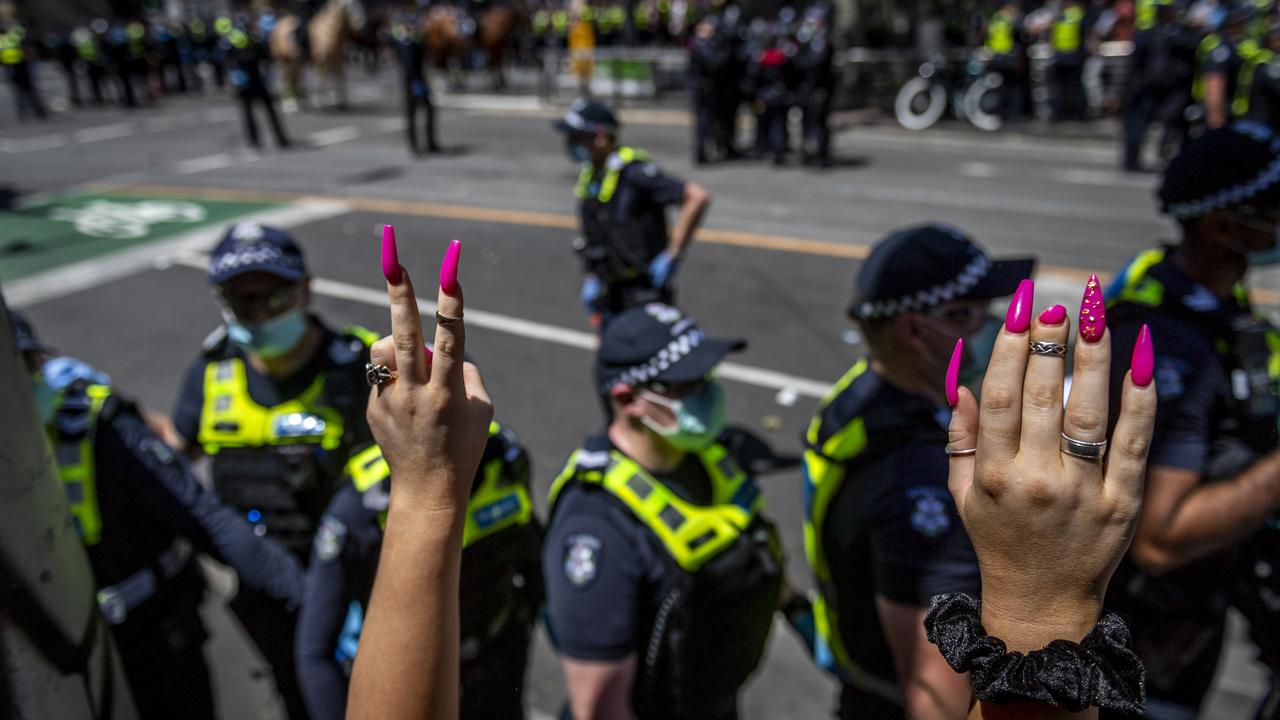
pixel 215 341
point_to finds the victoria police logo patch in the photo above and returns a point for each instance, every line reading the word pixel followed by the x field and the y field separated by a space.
pixel 929 516
pixel 581 559
pixel 330 538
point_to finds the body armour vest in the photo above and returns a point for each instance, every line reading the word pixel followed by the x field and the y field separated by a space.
pixel 724 572
pixel 619 251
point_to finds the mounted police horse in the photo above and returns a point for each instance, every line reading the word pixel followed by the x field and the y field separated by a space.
pixel 450 34
pixel 330 31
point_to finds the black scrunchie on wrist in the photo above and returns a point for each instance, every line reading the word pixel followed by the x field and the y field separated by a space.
pixel 1099 671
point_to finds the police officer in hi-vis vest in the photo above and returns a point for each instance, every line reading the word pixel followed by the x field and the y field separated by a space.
pixel 501 582
pixel 629 256
pixel 276 400
pixel 662 572
pixel 1213 472
pixel 142 516
pixel 881 530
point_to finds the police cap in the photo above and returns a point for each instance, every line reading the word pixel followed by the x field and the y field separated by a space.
pixel 657 343
pixel 250 247
pixel 1223 168
pixel 927 265
pixel 587 116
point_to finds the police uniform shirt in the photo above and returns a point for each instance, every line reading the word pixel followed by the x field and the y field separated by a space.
pixel 343 561
pixel 892 529
pixel 644 191
pixel 339 357
pixel 1224 59
pixel 146 496
pixel 603 568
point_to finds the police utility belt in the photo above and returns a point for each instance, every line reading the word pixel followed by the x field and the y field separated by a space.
pixel 118 600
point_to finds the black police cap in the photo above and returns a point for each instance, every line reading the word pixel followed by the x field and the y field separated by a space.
pixel 657 343
pixel 250 247
pixel 587 116
pixel 927 265
pixel 1234 165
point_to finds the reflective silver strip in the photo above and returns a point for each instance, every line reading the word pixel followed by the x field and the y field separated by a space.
pixel 116 601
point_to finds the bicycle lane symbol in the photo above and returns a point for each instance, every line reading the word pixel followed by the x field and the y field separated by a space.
pixel 117 220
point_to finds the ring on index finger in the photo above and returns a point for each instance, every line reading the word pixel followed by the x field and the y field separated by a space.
pixel 377 375
pixel 442 319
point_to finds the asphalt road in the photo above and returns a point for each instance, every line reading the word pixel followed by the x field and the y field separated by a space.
pixel 113 210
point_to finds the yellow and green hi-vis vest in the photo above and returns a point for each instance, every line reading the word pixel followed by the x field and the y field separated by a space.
pixel 74 456
pixel 495 504
pixel 621 158
pixel 691 534
pixel 11 52
pixel 1000 34
pixel 824 473
pixel 1244 87
pixel 1065 33
pixel 232 418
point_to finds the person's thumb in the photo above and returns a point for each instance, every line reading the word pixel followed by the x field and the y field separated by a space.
pixel 962 435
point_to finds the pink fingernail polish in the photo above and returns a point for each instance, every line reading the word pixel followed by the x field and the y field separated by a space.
pixel 1093 311
pixel 430 355
pixel 390 256
pixel 1053 315
pixel 1018 318
pixel 953 374
pixel 1144 358
pixel 449 268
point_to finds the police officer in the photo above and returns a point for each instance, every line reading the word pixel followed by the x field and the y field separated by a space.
pixel 245 57
pixel 13 55
pixel 501 582
pixel 1066 36
pixel 881 531
pixel 89 52
pixel 411 51
pixel 1008 57
pixel 1219 59
pixel 58 47
pixel 662 572
pixel 1213 475
pixel 814 63
pixel 709 67
pixel 1159 81
pixel 622 201
pixel 1258 90
pixel 141 514
pixel 773 78
pixel 276 399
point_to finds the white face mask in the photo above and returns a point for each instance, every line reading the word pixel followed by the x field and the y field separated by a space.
pixel 700 417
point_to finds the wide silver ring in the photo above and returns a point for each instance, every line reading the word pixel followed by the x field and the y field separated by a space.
pixel 445 319
pixel 1083 450
pixel 954 452
pixel 1040 347
pixel 377 375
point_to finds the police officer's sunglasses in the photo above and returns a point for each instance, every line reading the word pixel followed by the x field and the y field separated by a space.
pixel 676 391
pixel 259 305
pixel 964 317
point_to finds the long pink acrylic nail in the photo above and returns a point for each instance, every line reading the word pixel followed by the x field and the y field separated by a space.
pixel 430 355
pixel 953 374
pixel 1018 318
pixel 1144 358
pixel 1053 315
pixel 449 268
pixel 390 256
pixel 1093 311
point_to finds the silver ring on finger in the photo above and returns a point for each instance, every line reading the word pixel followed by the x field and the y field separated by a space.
pixel 442 319
pixel 377 375
pixel 1082 449
pixel 1041 347
pixel 955 452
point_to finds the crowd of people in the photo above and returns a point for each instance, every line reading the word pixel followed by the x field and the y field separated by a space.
pixel 657 569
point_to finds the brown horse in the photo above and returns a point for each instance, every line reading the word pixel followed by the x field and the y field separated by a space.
pixel 448 42
pixel 330 31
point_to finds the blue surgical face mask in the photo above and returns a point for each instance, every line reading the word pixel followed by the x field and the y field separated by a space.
pixel 272 338
pixel 699 417
pixel 979 346
pixel 578 153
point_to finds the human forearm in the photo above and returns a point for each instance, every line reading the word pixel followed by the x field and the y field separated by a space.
pixel 1210 517
pixel 1215 101
pixel 413 613
pixel 694 206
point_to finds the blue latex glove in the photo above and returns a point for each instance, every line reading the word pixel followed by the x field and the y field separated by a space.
pixel 592 289
pixel 661 269
pixel 350 637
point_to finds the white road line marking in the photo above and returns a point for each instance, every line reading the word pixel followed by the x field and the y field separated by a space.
pixel 390 124
pixel 105 132
pixel 31 144
pixel 332 136
pixel 202 164
pixel 103 269
pixel 977 169
pixel 219 114
pixel 533 330
pixel 1084 176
